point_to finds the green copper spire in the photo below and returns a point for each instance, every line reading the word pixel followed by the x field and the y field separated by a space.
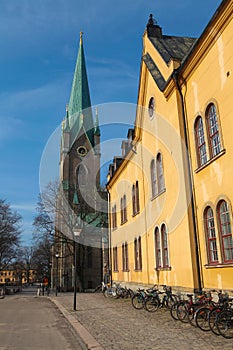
pixel 80 101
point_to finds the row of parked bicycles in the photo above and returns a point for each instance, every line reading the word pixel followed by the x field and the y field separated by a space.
pixel 199 310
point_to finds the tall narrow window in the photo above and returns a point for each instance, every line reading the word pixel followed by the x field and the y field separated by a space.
pixel 213 130
pixel 164 246
pixel 114 217
pixel 157 249
pixel 125 260
pixel 159 167
pixel 225 231
pixel 81 175
pixel 200 142
pixel 123 210
pixel 134 199
pixel 212 250
pixel 137 197
pixel 138 254
pixel 123 256
pixel 153 178
pixel 115 259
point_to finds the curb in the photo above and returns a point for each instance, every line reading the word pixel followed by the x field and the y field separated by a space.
pixel 88 340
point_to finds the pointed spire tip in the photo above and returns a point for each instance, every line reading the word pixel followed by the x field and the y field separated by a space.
pixel 81 37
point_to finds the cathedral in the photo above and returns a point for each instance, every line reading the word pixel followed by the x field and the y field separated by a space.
pixel 81 214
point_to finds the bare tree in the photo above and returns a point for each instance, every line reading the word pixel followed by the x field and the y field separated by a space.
pixel 10 231
pixel 25 260
pixel 43 223
pixel 41 258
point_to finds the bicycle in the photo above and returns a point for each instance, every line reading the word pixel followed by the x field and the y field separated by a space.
pixel 140 296
pixel 205 316
pixel 154 302
pixel 186 309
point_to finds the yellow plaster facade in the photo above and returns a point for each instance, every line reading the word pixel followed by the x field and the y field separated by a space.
pixel 162 192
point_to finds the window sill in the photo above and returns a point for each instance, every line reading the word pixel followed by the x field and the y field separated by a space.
pixel 125 270
pixel 211 160
pixel 219 265
pixel 168 268
pixel 138 270
pixel 123 222
pixel 135 214
pixel 116 271
pixel 158 194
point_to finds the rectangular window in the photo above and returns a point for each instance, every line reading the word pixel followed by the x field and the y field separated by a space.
pixel 114 217
pixel 115 259
pixel 138 254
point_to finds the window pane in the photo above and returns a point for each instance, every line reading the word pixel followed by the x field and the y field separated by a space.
pixel 200 142
pixel 225 230
pixel 210 236
pixel 164 246
pixel 213 129
pixel 153 178
pixel 157 249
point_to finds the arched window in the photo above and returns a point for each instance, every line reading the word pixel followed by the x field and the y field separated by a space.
pixel 164 246
pixel 212 251
pixel 200 142
pixel 213 130
pixel 153 178
pixel 81 175
pixel 225 231
pixel 159 167
pixel 157 249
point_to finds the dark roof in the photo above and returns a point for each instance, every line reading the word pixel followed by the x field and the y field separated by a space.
pixel 173 46
pixel 154 71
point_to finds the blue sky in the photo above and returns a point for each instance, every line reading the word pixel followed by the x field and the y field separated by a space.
pixel 38 44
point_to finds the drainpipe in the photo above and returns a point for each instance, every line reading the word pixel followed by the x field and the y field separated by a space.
pixel 190 182
pixel 109 238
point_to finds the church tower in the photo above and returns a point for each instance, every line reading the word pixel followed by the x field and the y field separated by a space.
pixel 80 185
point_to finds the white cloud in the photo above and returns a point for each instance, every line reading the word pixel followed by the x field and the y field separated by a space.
pixel 24 207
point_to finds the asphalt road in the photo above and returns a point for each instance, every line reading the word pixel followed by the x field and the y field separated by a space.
pixel 31 322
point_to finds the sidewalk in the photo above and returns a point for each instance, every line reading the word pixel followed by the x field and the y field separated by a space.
pixel 110 324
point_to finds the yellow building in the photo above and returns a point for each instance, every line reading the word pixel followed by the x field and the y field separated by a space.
pixel 17 277
pixel 170 195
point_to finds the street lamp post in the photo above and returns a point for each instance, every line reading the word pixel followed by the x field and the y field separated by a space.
pixel 56 256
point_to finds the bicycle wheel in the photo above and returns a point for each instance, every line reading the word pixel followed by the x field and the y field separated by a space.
pixel 152 304
pixel 212 320
pixel 171 300
pixel 224 323
pixel 201 319
pixel 191 315
pixel 138 301
pixel 182 312
pixel 110 292
pixel 173 311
